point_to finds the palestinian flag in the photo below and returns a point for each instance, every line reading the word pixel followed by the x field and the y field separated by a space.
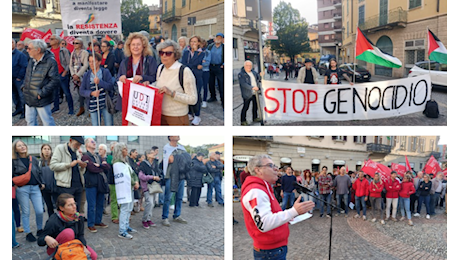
pixel 112 42
pixel 436 50
pixel 368 52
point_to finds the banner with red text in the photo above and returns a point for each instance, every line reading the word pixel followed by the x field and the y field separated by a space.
pixel 432 166
pixel 89 18
pixel 373 100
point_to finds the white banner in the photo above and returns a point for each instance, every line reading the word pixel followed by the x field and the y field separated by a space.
pixel 140 105
pixel 122 182
pixel 373 100
pixel 91 17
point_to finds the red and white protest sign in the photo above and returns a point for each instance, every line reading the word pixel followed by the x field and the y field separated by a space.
pixel 31 34
pixel 148 104
pixel 400 169
pixel 432 166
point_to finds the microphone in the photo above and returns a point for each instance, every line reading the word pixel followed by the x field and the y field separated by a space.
pixel 302 188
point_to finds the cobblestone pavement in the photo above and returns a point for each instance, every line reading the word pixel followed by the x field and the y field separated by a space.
pixel 438 94
pixel 213 115
pixel 201 238
pixel 354 238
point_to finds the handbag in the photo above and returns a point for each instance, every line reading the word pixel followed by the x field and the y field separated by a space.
pixel 102 185
pixel 207 178
pixel 23 179
pixel 154 188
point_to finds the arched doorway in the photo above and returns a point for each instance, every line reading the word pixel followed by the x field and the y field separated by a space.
pixel 174 33
pixel 386 45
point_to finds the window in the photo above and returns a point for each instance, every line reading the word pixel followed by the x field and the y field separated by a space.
pixel 33 139
pixel 359 139
pixel 112 138
pixel 183 31
pixel 422 145
pixel 235 8
pixel 183 3
pixel 431 145
pixel 361 14
pixel 41 4
pixel 317 136
pixel 403 143
pixel 133 139
pixel 415 3
pixel 414 144
pixel 235 48
pixel 326 37
pixel 339 138
pixel 414 52
pixel 348 29
pixel 166 6
pixel 326 25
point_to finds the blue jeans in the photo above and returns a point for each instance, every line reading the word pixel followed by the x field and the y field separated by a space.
pixel 205 85
pixel 360 202
pixel 404 206
pixel 327 198
pixel 18 95
pixel 434 199
pixel 68 96
pixel 288 196
pixel 125 213
pixel 199 84
pixel 161 196
pixel 43 112
pixel 14 233
pixel 279 253
pixel 217 186
pixel 108 119
pixel 95 202
pixel 178 199
pixel 426 200
pixel 343 197
pixel 32 193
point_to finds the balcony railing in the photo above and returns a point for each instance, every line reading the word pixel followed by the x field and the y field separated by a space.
pixel 24 9
pixel 378 148
pixel 436 155
pixel 395 18
pixel 261 138
pixel 338 16
pixel 173 14
pixel 337 4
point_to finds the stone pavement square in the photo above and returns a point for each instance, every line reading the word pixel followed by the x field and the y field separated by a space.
pixel 201 238
pixel 355 238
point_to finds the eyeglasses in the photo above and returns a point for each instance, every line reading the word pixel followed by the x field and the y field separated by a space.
pixel 270 165
pixel 76 43
pixel 167 53
pixel 103 46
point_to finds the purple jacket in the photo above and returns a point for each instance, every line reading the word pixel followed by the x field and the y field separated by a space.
pixel 144 179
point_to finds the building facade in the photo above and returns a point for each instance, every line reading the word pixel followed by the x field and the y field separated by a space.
pixel 187 18
pixel 398 28
pixel 330 26
pixel 37 14
pixel 154 20
pixel 313 152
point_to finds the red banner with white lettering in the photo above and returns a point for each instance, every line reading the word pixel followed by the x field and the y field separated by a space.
pixel 408 168
pixel 432 166
pixel 69 40
pixel 370 167
pixel 400 169
pixel 47 36
pixel 31 34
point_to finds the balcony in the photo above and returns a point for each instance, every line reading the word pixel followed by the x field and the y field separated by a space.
pixel 23 9
pixel 378 148
pixel 260 138
pixel 337 4
pixel 337 29
pixel 395 18
pixel 169 16
pixel 337 16
pixel 436 155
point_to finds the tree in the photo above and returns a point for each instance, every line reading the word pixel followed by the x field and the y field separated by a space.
pixel 292 31
pixel 134 16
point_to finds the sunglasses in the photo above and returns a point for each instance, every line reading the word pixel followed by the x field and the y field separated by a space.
pixel 76 43
pixel 167 53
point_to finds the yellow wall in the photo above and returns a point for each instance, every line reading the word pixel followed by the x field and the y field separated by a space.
pixel 195 5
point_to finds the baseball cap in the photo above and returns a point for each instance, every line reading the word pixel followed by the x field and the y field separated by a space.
pixel 220 34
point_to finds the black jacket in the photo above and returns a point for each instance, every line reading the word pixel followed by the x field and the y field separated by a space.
pixel 41 82
pixel 216 172
pixel 19 169
pixel 196 173
pixel 245 83
pixel 56 225
pixel 424 188
pixel 48 177
pixel 110 62
pixel 92 171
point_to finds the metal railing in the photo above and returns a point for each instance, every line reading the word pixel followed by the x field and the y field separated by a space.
pixel 173 14
pixel 395 17
pixel 24 9
pixel 378 148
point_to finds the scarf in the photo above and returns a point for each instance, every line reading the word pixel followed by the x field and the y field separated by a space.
pixel 66 218
pixel 129 71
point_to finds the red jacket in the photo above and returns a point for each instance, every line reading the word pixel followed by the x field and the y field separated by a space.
pixel 266 222
pixel 393 188
pixel 407 188
pixel 361 187
pixel 375 189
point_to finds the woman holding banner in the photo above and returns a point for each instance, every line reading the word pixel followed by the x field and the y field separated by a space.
pixel 139 64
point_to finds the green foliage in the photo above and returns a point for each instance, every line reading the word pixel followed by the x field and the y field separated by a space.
pixel 199 149
pixel 134 16
pixel 292 31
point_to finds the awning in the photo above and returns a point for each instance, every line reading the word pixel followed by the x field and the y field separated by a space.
pixel 339 162
pixel 359 163
pixel 315 161
pixel 286 160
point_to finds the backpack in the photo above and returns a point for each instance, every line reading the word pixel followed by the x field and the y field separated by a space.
pixel 431 109
pixel 181 75
pixel 71 250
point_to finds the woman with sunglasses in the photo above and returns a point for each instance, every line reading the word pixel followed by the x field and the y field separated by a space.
pixel 108 58
pixel 177 97
pixel 139 64
pixel 78 66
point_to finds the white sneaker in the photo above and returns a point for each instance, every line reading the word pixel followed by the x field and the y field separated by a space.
pixel 190 117
pixel 427 216
pixel 356 216
pixel 364 217
pixel 374 219
pixel 196 120
pixel 382 222
pixel 204 104
pixel 402 219
pixel 416 215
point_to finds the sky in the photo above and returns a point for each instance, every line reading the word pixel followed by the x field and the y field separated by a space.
pixel 200 140
pixel 307 8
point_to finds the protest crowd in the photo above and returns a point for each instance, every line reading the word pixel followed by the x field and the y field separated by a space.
pixel 356 190
pixel 47 70
pixel 74 187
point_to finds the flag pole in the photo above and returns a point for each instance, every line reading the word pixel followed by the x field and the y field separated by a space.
pixel 354 56
pixel 97 98
pixel 262 66
pixel 429 61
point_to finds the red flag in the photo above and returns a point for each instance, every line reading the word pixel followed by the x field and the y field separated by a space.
pixel 400 169
pixel 445 172
pixel 31 34
pixel 47 36
pixel 370 167
pixel 432 166
pixel 347 169
pixel 407 165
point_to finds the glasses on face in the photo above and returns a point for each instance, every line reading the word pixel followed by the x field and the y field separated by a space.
pixel 103 46
pixel 270 165
pixel 167 53
pixel 76 43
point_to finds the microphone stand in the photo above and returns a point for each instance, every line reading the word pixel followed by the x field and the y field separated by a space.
pixel 302 189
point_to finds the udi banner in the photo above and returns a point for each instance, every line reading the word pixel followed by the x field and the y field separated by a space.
pixel 31 34
pixel 373 100
pixel 432 166
pixel 141 105
pixel 400 169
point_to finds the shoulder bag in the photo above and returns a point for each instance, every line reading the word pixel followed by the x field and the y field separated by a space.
pixel 23 179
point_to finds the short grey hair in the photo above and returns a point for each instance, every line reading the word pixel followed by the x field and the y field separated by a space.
pixel 182 38
pixel 255 161
pixel 14 41
pixel 103 147
pixel 175 45
pixel 39 44
pixel 57 37
pixel 112 145
pixel 146 34
pixel 247 61
pixel 80 40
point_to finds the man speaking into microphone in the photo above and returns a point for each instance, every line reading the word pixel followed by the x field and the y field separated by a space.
pixel 266 223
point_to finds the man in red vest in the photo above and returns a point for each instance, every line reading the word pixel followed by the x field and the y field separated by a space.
pixel 266 223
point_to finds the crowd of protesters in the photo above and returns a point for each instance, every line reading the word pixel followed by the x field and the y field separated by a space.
pixel 46 72
pixel 358 190
pixel 103 177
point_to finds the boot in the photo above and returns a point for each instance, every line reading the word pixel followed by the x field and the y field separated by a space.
pixel 81 111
